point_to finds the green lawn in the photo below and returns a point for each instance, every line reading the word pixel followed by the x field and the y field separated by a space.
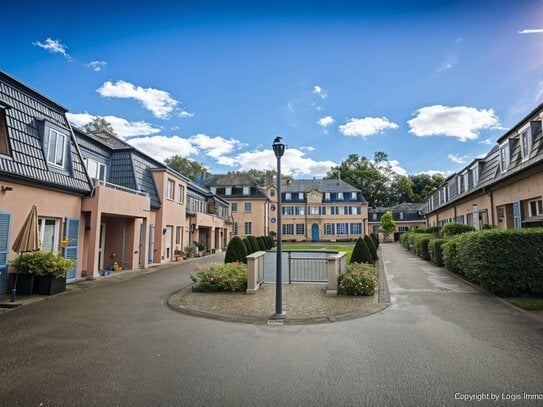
pixel 319 246
pixel 529 303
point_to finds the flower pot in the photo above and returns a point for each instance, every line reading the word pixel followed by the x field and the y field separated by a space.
pixel 25 284
pixel 49 285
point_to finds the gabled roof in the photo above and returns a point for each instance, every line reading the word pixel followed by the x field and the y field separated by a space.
pixel 28 115
pixel 230 180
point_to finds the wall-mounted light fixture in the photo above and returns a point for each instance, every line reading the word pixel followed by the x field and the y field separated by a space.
pixel 7 188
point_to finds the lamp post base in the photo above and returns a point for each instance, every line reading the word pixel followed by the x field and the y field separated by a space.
pixel 282 315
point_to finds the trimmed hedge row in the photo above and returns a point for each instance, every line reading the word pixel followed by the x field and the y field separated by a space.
pixel 238 249
pixel 505 262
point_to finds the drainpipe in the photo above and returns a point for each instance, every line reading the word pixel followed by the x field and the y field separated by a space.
pixel 491 195
pixel 124 244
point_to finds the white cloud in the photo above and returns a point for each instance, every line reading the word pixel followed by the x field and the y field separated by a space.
pixel 486 141
pixel 435 172
pixel 215 147
pixel 158 102
pixel 461 122
pixel 307 148
pixel 162 147
pixel 96 66
pixel 326 121
pixel 320 92
pixel 294 162
pixel 122 127
pixel 367 126
pixel 531 31
pixel 455 158
pixel 185 114
pixel 397 168
pixel 53 46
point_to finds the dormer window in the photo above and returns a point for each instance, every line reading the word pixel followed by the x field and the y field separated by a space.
pixel 56 148
pixel 504 157
pixel 327 196
pixel 301 196
pixel 228 190
pixel 525 140
pixel 4 141
pixel 246 190
pixel 475 174
pixel 340 195
pixel 353 196
pixel 287 196
pixel 95 169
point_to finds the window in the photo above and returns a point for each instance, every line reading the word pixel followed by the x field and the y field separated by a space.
pixel 180 193
pixel 374 216
pixel 228 190
pixel 342 228
pixel 334 210
pixel 504 157
pixel 4 141
pixel 301 196
pixel 234 207
pixel 314 210
pixel 356 228
pixel 469 219
pixel 300 229
pixel 401 215
pixel 95 169
pixel 403 229
pixel 329 229
pixel 323 210
pixel 287 196
pixel 288 229
pixel 461 184
pixel 248 228
pixel 340 195
pixel 327 196
pixel 272 192
pixel 247 207
pixel 49 234
pixel 56 148
pixel 353 196
pixel 536 208
pixel 235 229
pixel 170 189
pixel 475 175
pixel 525 139
pixel 178 235
pixel 246 190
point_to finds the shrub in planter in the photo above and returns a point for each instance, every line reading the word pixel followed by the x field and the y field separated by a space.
pixel 220 277
pixel 435 248
pixel 371 245
pixel 455 228
pixel 358 279
pixel 361 252
pixel 236 251
pixel 505 262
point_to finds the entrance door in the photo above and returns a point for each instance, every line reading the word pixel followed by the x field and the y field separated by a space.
pixel 140 247
pixel 101 246
pixel 168 243
pixel 315 232
pixel 150 248
pixel 5 222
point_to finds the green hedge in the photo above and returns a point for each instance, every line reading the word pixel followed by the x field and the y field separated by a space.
pixel 220 277
pixel 404 239
pixel 435 248
pixel 505 262
pixel 450 254
pixel 455 228
pixel 420 244
pixel 371 246
pixel 236 251
pixel 361 252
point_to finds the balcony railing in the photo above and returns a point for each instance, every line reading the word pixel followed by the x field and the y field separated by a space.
pixel 120 188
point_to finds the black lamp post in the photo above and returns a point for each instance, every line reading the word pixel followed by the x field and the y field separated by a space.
pixel 279 150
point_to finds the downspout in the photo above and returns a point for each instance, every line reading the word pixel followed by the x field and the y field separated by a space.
pixel 123 248
pixel 491 195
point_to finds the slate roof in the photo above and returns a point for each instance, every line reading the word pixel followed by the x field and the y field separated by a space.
pixel 28 115
pixel 228 180
pixel 412 211
pixel 490 174
pixel 322 185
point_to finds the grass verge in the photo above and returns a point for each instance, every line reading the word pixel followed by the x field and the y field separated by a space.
pixel 528 303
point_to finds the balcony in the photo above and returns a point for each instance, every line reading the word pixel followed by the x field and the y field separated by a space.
pixel 117 200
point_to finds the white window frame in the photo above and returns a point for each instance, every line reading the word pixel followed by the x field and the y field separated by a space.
pixel 300 229
pixel 56 232
pixel 170 189
pixel 246 190
pixel 235 229
pixel 301 196
pixel 538 207
pixel 228 190
pixel 234 206
pixel 288 196
pixel 525 144
pixel 248 228
pixel 340 195
pixel 99 166
pixel 353 196
pixel 55 158
pixel 180 193
pixel 245 207
pixel 343 231
pixel 504 156
pixel 327 196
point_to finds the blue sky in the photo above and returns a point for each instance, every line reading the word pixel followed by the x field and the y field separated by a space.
pixel 433 84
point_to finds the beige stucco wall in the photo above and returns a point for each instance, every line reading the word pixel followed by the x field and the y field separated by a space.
pixel 257 216
pixel 51 204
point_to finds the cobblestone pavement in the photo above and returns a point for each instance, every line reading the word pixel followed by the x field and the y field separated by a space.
pixel 303 304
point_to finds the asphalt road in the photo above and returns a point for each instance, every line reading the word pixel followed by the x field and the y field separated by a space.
pixel 119 344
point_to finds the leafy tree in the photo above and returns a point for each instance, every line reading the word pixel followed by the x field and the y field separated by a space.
pixel 236 251
pixel 424 185
pixel 371 245
pixel 388 225
pixel 191 169
pixel 361 252
pixel 99 125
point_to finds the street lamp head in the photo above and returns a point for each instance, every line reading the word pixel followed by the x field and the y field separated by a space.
pixel 278 147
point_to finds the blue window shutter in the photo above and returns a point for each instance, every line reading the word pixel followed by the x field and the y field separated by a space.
pixel 71 232
pixel 517 214
pixel 5 223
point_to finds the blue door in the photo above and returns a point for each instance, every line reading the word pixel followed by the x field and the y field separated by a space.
pixel 5 220
pixel 71 231
pixel 315 232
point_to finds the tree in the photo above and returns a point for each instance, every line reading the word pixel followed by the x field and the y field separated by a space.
pixel 371 245
pixel 388 225
pixel 424 185
pixel 236 251
pixel 361 253
pixel 99 125
pixel 190 169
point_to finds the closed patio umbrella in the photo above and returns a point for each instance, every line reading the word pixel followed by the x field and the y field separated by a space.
pixel 26 241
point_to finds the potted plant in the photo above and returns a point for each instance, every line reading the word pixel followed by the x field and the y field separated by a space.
pixel 178 254
pixel 201 247
pixel 49 271
pixel 191 251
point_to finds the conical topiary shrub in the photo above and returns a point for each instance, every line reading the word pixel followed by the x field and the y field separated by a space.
pixel 361 253
pixel 236 251
pixel 261 244
pixel 248 246
pixel 254 244
pixel 375 239
pixel 371 245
